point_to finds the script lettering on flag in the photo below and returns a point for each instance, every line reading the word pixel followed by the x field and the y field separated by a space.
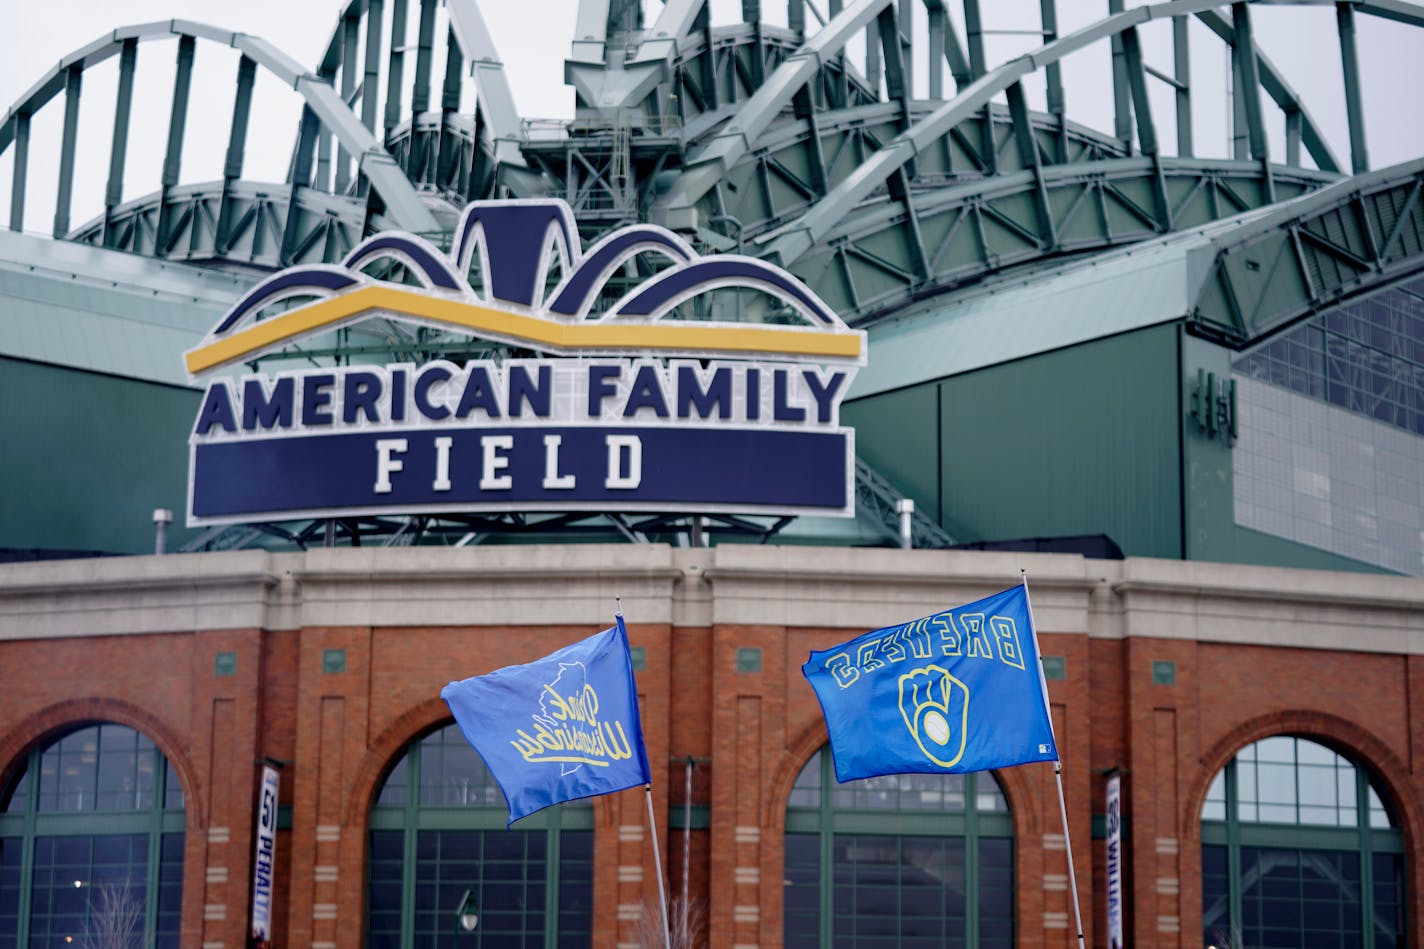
pixel 957 691
pixel 561 728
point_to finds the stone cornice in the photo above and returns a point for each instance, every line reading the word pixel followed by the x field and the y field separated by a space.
pixel 731 585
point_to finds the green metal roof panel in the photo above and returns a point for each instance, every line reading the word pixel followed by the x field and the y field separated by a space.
pixel 1141 285
pixel 1311 252
pixel 104 311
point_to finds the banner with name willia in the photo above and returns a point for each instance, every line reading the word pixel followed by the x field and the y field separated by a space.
pixel 561 728
pixel 957 691
pixel 1114 868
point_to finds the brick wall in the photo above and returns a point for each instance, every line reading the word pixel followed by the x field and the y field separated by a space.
pixel 749 731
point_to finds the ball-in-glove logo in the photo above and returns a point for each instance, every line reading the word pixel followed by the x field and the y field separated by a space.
pixel 935 706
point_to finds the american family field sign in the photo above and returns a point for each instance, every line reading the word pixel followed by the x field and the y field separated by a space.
pixel 635 408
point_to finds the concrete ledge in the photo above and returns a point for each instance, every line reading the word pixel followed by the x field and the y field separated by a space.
pixel 868 588
pixel 743 585
pixel 488 586
pixel 117 595
pixel 1240 604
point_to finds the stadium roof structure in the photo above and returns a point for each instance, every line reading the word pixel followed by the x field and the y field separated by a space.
pixel 1240 280
pixel 915 204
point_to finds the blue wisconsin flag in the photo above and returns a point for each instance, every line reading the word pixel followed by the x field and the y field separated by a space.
pixel 558 729
pixel 957 691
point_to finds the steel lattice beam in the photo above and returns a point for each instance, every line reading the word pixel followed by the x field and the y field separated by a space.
pixel 1310 253
pixel 398 198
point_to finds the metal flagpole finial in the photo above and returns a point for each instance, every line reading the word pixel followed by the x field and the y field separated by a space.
pixel 617 606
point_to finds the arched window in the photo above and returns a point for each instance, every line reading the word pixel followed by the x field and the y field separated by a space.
pixel 1299 849
pixel 897 861
pixel 91 843
pixel 438 832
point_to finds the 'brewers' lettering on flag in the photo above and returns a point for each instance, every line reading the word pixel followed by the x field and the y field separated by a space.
pixel 957 691
pixel 558 729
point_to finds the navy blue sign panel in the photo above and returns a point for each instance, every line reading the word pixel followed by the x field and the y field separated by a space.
pixel 632 407
pixel 533 468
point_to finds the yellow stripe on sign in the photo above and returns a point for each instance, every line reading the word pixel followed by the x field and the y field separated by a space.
pixel 523 329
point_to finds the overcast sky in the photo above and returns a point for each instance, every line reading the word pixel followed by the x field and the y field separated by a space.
pixel 533 37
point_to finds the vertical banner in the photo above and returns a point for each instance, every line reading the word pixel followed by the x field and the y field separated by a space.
pixel 264 858
pixel 1114 834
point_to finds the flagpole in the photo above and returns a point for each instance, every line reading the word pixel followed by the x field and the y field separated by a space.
pixel 653 830
pixel 1057 765
pixel 658 866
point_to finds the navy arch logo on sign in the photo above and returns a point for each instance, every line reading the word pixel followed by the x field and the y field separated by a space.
pixel 627 409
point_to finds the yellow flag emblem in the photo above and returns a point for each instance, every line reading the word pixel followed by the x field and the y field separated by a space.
pixel 935 706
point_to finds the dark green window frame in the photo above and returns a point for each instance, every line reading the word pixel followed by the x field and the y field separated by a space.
pixel 487 813
pixel 972 825
pixel 1371 832
pixel 29 817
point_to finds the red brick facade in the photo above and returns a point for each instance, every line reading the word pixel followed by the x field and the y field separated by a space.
pixel 749 732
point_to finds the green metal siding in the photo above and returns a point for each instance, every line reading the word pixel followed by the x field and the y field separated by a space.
pixel 898 434
pixel 88 457
pixel 1082 440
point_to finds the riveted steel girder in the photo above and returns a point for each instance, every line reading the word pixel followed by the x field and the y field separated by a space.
pixel 803 234
pixel 710 162
pixel 763 202
pixel 494 99
pixel 258 218
pixel 398 199
pixel 981 228
pixel 1310 253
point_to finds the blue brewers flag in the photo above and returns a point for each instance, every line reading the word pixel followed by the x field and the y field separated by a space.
pixel 558 729
pixel 957 691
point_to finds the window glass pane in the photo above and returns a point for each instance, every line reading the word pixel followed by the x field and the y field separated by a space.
pixel 1311 753
pixel 908 885
pixel 989 796
pixel 101 768
pixel 914 792
pixel 1310 896
pixel 75 773
pixel 802 889
pixel 1246 782
pixel 1345 788
pixel 806 791
pixel 1280 750
pixel 48 781
pixel 394 790
pixel 1276 784
pixel 1216 922
pixel 1370 345
pixel 1379 815
pixel 1389 901
pixel 16 798
pixel 996 893
pixel 10 851
pixel 1215 806
pixel 172 788
pixel 117 780
pixel 383 895
pixel 170 890
pixel 1322 816
pixel 452 773
pixel 575 897
pixel 505 872
pixel 88 886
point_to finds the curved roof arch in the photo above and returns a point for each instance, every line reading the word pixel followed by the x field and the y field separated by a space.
pixel 801 235
pixel 469 42
pixel 1301 256
pixel 323 111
